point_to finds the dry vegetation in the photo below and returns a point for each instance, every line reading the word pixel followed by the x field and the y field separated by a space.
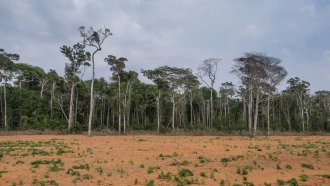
pixel 164 160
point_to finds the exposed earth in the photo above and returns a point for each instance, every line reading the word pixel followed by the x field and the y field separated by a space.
pixel 164 160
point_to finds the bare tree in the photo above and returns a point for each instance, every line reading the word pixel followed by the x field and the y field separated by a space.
pixel 209 69
pixel 93 39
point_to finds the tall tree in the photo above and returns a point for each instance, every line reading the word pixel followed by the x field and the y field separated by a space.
pixel 275 74
pixel 156 76
pixel 177 80
pixel 209 69
pixel 94 39
pixel 117 67
pixel 300 89
pixel 77 57
pixel 257 72
pixel 6 69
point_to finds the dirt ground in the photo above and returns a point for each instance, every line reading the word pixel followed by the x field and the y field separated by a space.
pixel 164 160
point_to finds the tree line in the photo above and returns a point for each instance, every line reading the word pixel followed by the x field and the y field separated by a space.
pixel 178 98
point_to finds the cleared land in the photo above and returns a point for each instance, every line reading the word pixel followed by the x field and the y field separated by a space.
pixel 164 160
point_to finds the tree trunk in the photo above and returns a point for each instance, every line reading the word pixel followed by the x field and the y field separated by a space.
pixel 256 115
pixel 268 119
pixel 108 114
pixel 191 108
pixel 5 102
pixel 71 108
pixel 76 108
pixel 91 105
pixel 173 112
pixel 158 110
pixel 119 106
pixel 211 108
pixel 52 94
pixel 250 111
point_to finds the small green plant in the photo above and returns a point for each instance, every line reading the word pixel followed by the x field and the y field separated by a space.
pixel 185 173
pixel 99 170
pixel 167 176
pixel 278 166
pixel 288 166
pixel 225 160
pixel 202 174
pixel 280 182
pixel 109 174
pixel 307 165
pixel 203 159
pixel 87 176
pixel 83 166
pixel 303 177
pixel 73 172
pixel 238 170
pixel 150 183
pixel 222 183
pixel 293 182
pixel 141 166
pixel 152 169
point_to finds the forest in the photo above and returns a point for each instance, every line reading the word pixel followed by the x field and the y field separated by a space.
pixel 179 99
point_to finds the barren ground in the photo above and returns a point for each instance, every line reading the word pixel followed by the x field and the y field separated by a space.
pixel 164 160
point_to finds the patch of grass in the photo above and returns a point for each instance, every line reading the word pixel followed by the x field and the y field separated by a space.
pixel 183 163
pixel 55 168
pixel 82 166
pixel 288 166
pixel 280 182
pixel 141 166
pixel 203 159
pixel 19 162
pixel 174 154
pixel 225 160
pixel 87 176
pixel 185 173
pixel 202 174
pixel 167 176
pixel 99 170
pixel 303 177
pixel 307 165
pixel 293 182
pixel 150 183
pixel 73 172
pixel 152 169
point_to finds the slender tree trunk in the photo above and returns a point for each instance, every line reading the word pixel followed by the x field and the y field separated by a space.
pixel 76 108
pixel 173 112
pixel 256 115
pixel 5 102
pixel 211 109
pixel 52 94
pixel 302 114
pixel 268 119
pixel 108 114
pixel 250 111
pixel 91 105
pixel 119 106
pixel 191 108
pixel 71 109
pixel 158 110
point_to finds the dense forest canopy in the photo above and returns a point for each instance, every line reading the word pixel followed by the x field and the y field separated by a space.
pixel 178 98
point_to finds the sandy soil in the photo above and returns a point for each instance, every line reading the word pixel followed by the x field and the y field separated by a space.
pixel 164 160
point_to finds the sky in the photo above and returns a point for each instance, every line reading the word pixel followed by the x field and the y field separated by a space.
pixel 181 33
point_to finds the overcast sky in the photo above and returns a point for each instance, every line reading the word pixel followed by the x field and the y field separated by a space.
pixel 182 33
